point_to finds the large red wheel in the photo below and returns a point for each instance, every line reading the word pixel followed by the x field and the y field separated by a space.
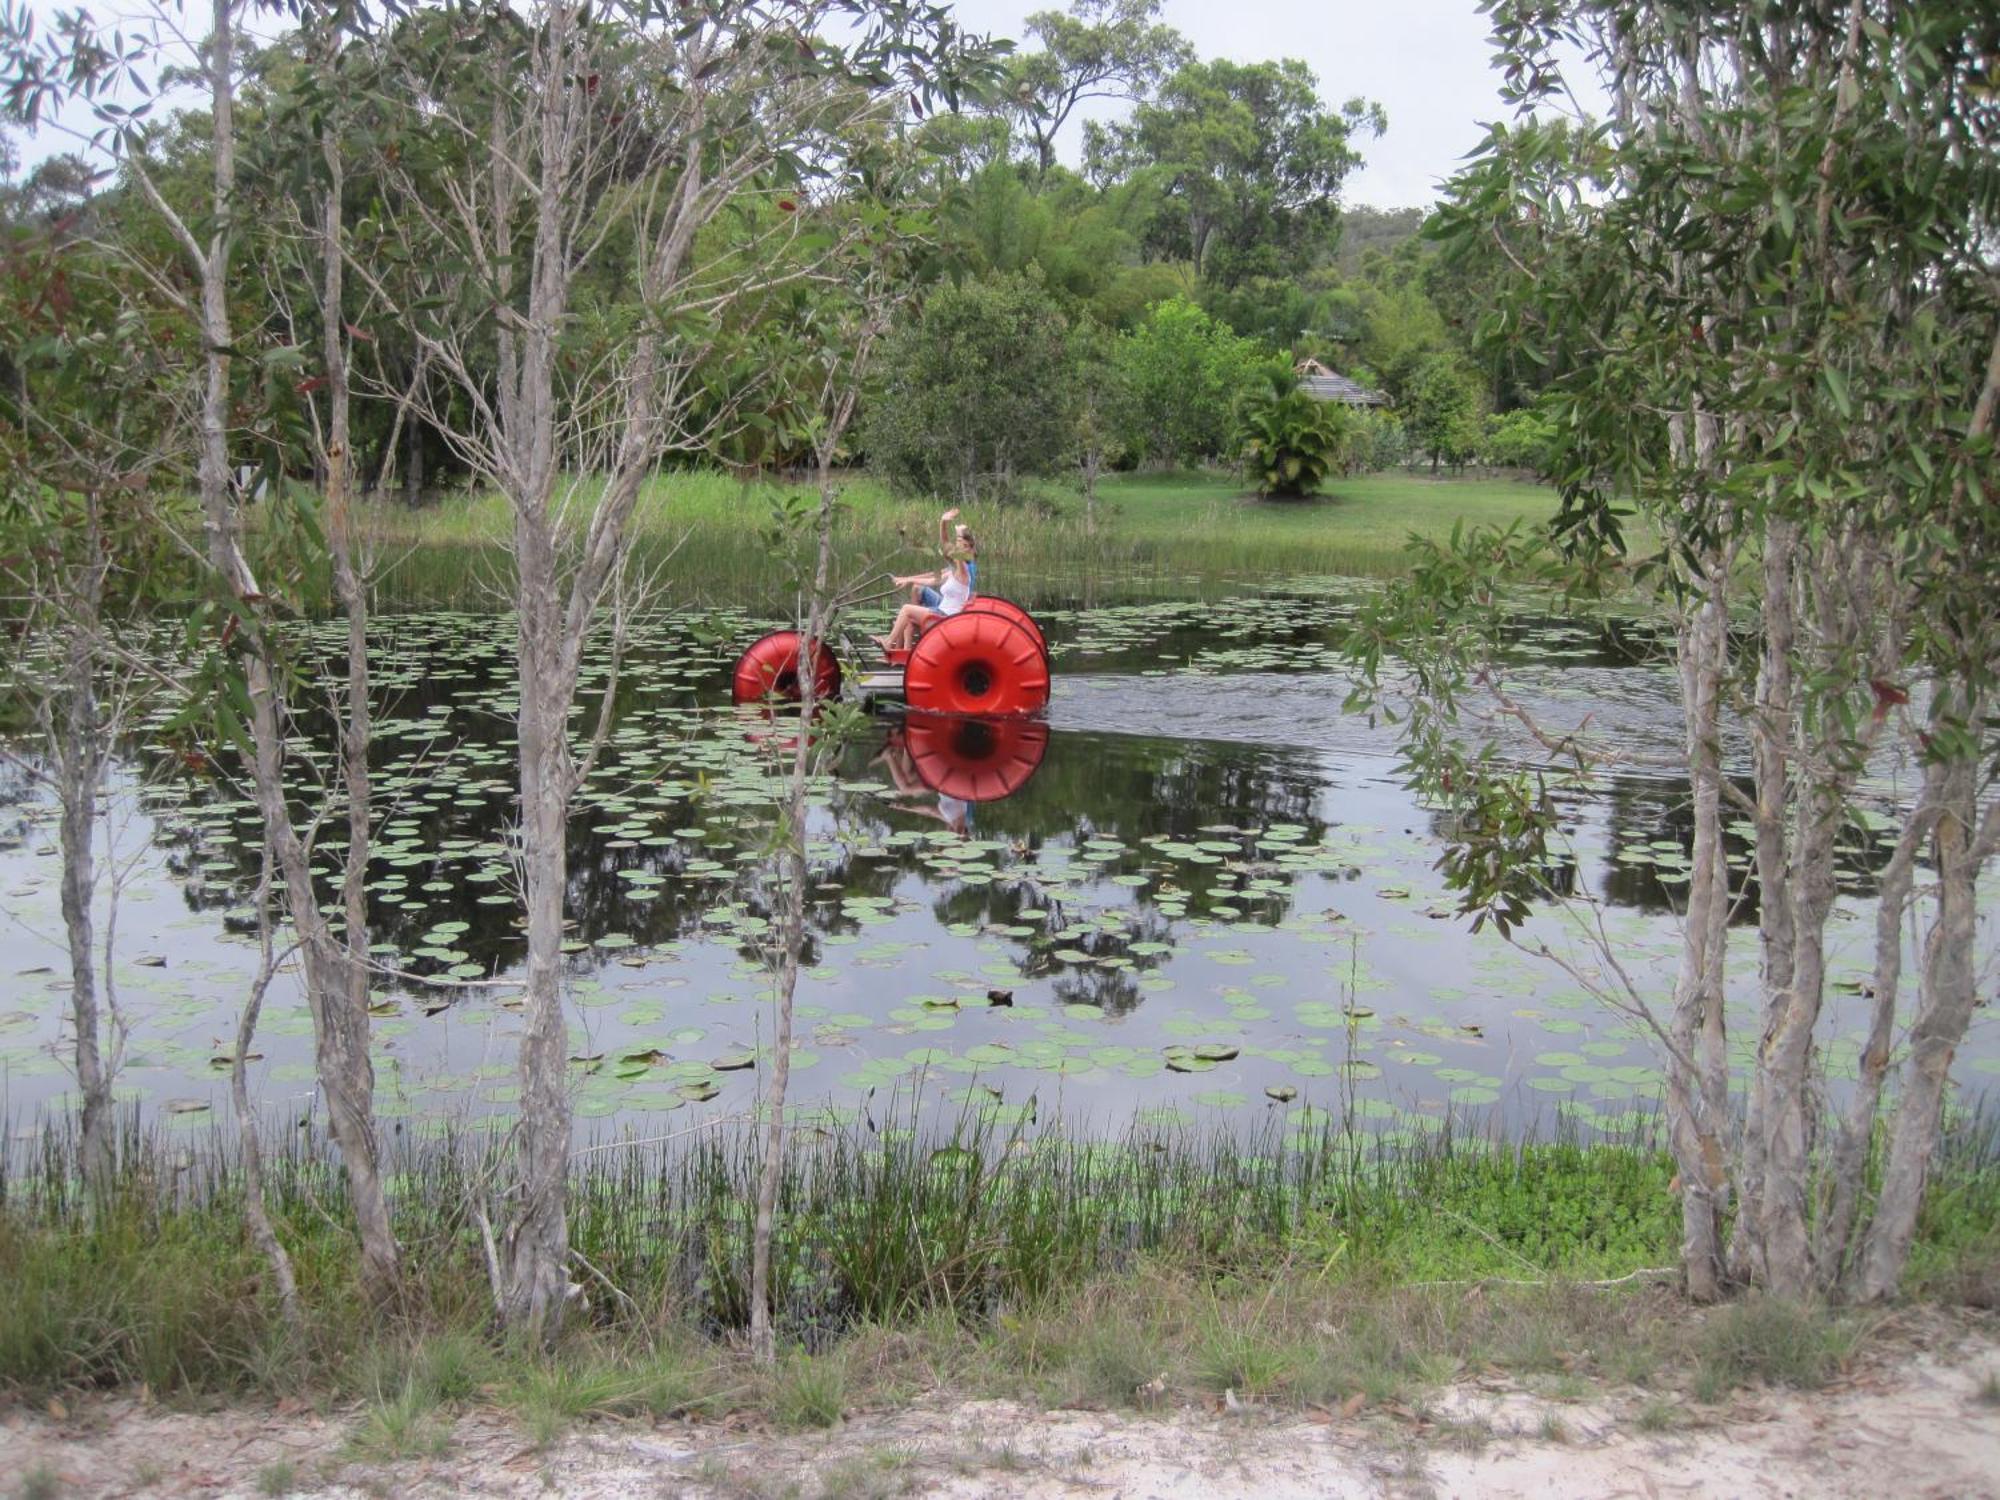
pixel 1007 609
pixel 770 669
pixel 975 760
pixel 977 663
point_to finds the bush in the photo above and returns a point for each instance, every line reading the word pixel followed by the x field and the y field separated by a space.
pixel 979 391
pixel 1522 439
pixel 1379 442
pixel 1289 441
pixel 1181 370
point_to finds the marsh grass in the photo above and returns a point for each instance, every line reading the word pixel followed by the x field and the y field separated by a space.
pixel 1156 535
pixel 943 1256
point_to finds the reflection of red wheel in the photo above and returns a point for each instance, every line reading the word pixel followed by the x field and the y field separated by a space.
pixel 976 664
pixel 975 760
pixel 1007 609
pixel 770 669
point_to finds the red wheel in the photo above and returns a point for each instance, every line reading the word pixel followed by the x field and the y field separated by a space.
pixel 770 669
pixel 975 760
pixel 1007 609
pixel 976 664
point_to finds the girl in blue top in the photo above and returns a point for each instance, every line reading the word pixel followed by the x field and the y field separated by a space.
pixel 934 596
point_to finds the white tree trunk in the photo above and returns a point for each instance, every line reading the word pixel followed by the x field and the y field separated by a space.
pixel 1847 1170
pixel 535 1245
pixel 1943 1013
pixel 1697 1074
pixel 340 1036
pixel 79 751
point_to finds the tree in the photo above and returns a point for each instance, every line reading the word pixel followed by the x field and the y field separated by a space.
pixel 1250 161
pixel 1290 441
pixel 558 181
pixel 977 392
pixel 1100 49
pixel 1524 439
pixel 1442 409
pixel 90 392
pixel 1765 292
pixel 1182 370
pixel 244 675
pixel 1104 407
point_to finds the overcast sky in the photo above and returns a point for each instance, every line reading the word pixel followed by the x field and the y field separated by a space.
pixel 1425 61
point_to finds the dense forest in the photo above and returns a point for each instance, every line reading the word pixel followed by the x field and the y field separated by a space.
pixel 1204 235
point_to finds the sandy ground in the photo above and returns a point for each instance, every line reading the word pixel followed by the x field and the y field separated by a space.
pixel 1912 1427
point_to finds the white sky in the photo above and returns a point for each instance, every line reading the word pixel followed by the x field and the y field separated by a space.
pixel 1427 62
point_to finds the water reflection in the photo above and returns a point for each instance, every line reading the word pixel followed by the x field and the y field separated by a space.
pixel 1133 895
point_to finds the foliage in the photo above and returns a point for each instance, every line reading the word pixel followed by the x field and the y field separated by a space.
pixel 1523 439
pixel 1380 441
pixel 1441 410
pixel 1249 163
pixel 1290 441
pixel 1100 49
pixel 977 392
pixel 1183 370
pixel 1760 296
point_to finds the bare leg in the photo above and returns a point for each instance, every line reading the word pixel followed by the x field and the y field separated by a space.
pixel 909 619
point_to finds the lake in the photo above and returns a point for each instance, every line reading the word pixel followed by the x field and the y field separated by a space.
pixel 1207 895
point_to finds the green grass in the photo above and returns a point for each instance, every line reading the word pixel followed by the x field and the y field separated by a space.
pixel 1156 535
pixel 1120 1274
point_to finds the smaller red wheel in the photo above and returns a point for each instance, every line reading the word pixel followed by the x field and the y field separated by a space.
pixel 770 669
pixel 1007 609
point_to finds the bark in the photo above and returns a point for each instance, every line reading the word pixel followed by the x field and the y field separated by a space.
pixel 1771 728
pixel 348 960
pixel 1949 997
pixel 534 1247
pixel 79 757
pixel 340 1037
pixel 1697 1076
pixel 262 1232
pixel 1848 1167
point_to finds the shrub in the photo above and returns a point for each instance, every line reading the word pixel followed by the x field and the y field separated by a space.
pixel 1290 441
pixel 978 392
pixel 1522 439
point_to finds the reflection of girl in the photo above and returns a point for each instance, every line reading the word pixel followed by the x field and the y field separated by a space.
pixel 934 596
pixel 912 794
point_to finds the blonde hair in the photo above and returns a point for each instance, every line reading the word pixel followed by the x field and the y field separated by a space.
pixel 965 537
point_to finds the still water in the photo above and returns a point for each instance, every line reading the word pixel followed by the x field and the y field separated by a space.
pixel 1204 893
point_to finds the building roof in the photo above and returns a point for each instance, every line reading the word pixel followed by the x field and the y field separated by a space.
pixel 1317 381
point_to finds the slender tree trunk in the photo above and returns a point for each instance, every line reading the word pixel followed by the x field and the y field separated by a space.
pixel 1771 727
pixel 1697 1075
pixel 255 1212
pixel 348 961
pixel 1943 1013
pixel 763 1340
pixel 535 1246
pixel 340 1039
pixel 1847 1171
pixel 79 757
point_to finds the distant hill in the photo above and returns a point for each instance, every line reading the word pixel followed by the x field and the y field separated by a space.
pixel 1363 229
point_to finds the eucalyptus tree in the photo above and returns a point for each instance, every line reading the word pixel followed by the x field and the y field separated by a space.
pixel 1098 49
pixel 1766 293
pixel 92 395
pixel 842 321
pixel 244 676
pixel 557 188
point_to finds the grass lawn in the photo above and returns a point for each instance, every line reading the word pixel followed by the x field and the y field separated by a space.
pixel 1155 535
